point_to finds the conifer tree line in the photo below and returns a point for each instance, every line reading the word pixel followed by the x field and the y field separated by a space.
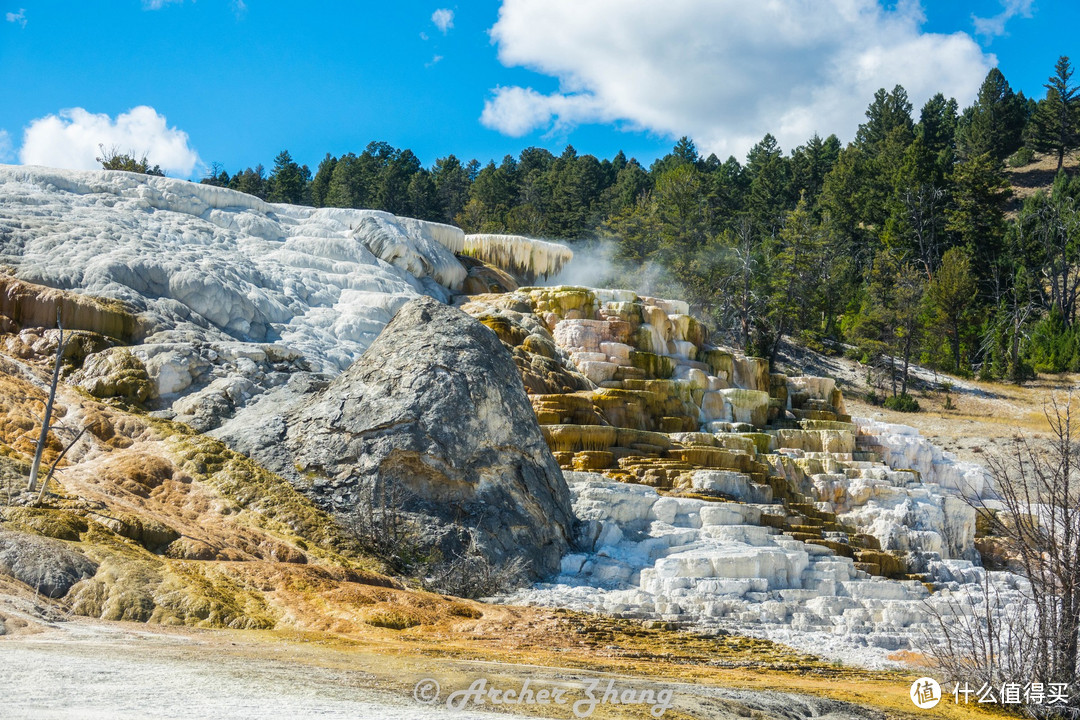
pixel 904 246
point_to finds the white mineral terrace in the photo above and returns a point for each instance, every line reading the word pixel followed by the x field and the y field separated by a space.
pixel 231 271
pixel 523 256
pixel 712 566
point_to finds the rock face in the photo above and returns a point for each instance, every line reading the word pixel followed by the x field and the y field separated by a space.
pixel 436 409
pixel 44 564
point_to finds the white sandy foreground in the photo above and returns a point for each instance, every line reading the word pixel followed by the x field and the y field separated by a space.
pixel 110 671
pixel 90 669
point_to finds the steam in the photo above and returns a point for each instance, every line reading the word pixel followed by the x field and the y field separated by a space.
pixel 596 265
pixel 593 265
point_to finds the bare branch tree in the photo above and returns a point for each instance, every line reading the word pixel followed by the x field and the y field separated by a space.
pixel 1037 520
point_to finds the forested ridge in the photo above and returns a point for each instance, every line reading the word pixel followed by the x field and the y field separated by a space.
pixel 908 243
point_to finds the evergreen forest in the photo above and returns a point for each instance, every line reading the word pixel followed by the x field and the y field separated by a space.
pixel 907 245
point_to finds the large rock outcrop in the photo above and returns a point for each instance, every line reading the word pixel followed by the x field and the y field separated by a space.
pixel 436 409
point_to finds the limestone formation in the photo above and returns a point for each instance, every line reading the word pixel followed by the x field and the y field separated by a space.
pixel 527 258
pixel 435 409
pixel 181 266
pixel 724 565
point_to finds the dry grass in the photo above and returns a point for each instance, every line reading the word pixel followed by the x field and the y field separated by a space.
pixel 1038 175
pixel 988 420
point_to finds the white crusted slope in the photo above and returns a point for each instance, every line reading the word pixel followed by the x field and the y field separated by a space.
pixel 219 275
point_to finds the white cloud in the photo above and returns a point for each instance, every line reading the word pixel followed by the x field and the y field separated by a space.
pixel 435 60
pixel 517 111
pixel 18 18
pixel 158 4
pixel 443 19
pixel 995 26
pixel 723 73
pixel 72 139
pixel 6 151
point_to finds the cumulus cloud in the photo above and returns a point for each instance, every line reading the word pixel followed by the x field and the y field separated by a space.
pixel 723 73
pixel 6 151
pixel 72 139
pixel 995 26
pixel 443 19
pixel 517 111
pixel 19 18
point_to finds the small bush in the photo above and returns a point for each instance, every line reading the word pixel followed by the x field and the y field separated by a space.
pixel 902 403
pixel 113 159
pixel 1020 158
pixel 393 618
pixel 460 609
pixel 472 575
pixel 387 531
pixel 811 341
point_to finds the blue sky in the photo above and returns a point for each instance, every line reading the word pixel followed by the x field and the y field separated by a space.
pixel 245 80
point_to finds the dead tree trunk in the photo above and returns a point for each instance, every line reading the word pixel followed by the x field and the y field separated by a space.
pixel 46 421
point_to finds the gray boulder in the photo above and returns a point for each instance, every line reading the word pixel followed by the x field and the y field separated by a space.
pixel 435 416
pixel 48 566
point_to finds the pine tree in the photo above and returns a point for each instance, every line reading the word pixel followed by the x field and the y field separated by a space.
pixel 288 182
pixel 769 180
pixel 811 163
pixel 977 217
pixel 951 294
pixel 888 113
pixel 1056 124
pixel 320 185
pixel 451 187
pixel 937 123
pixel 251 181
pixel 995 123
pixel 889 324
pixel 796 268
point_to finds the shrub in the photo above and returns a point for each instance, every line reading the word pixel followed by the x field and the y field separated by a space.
pixel 902 403
pixel 113 159
pixel 1020 158
pixel 472 575
pixel 1054 347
